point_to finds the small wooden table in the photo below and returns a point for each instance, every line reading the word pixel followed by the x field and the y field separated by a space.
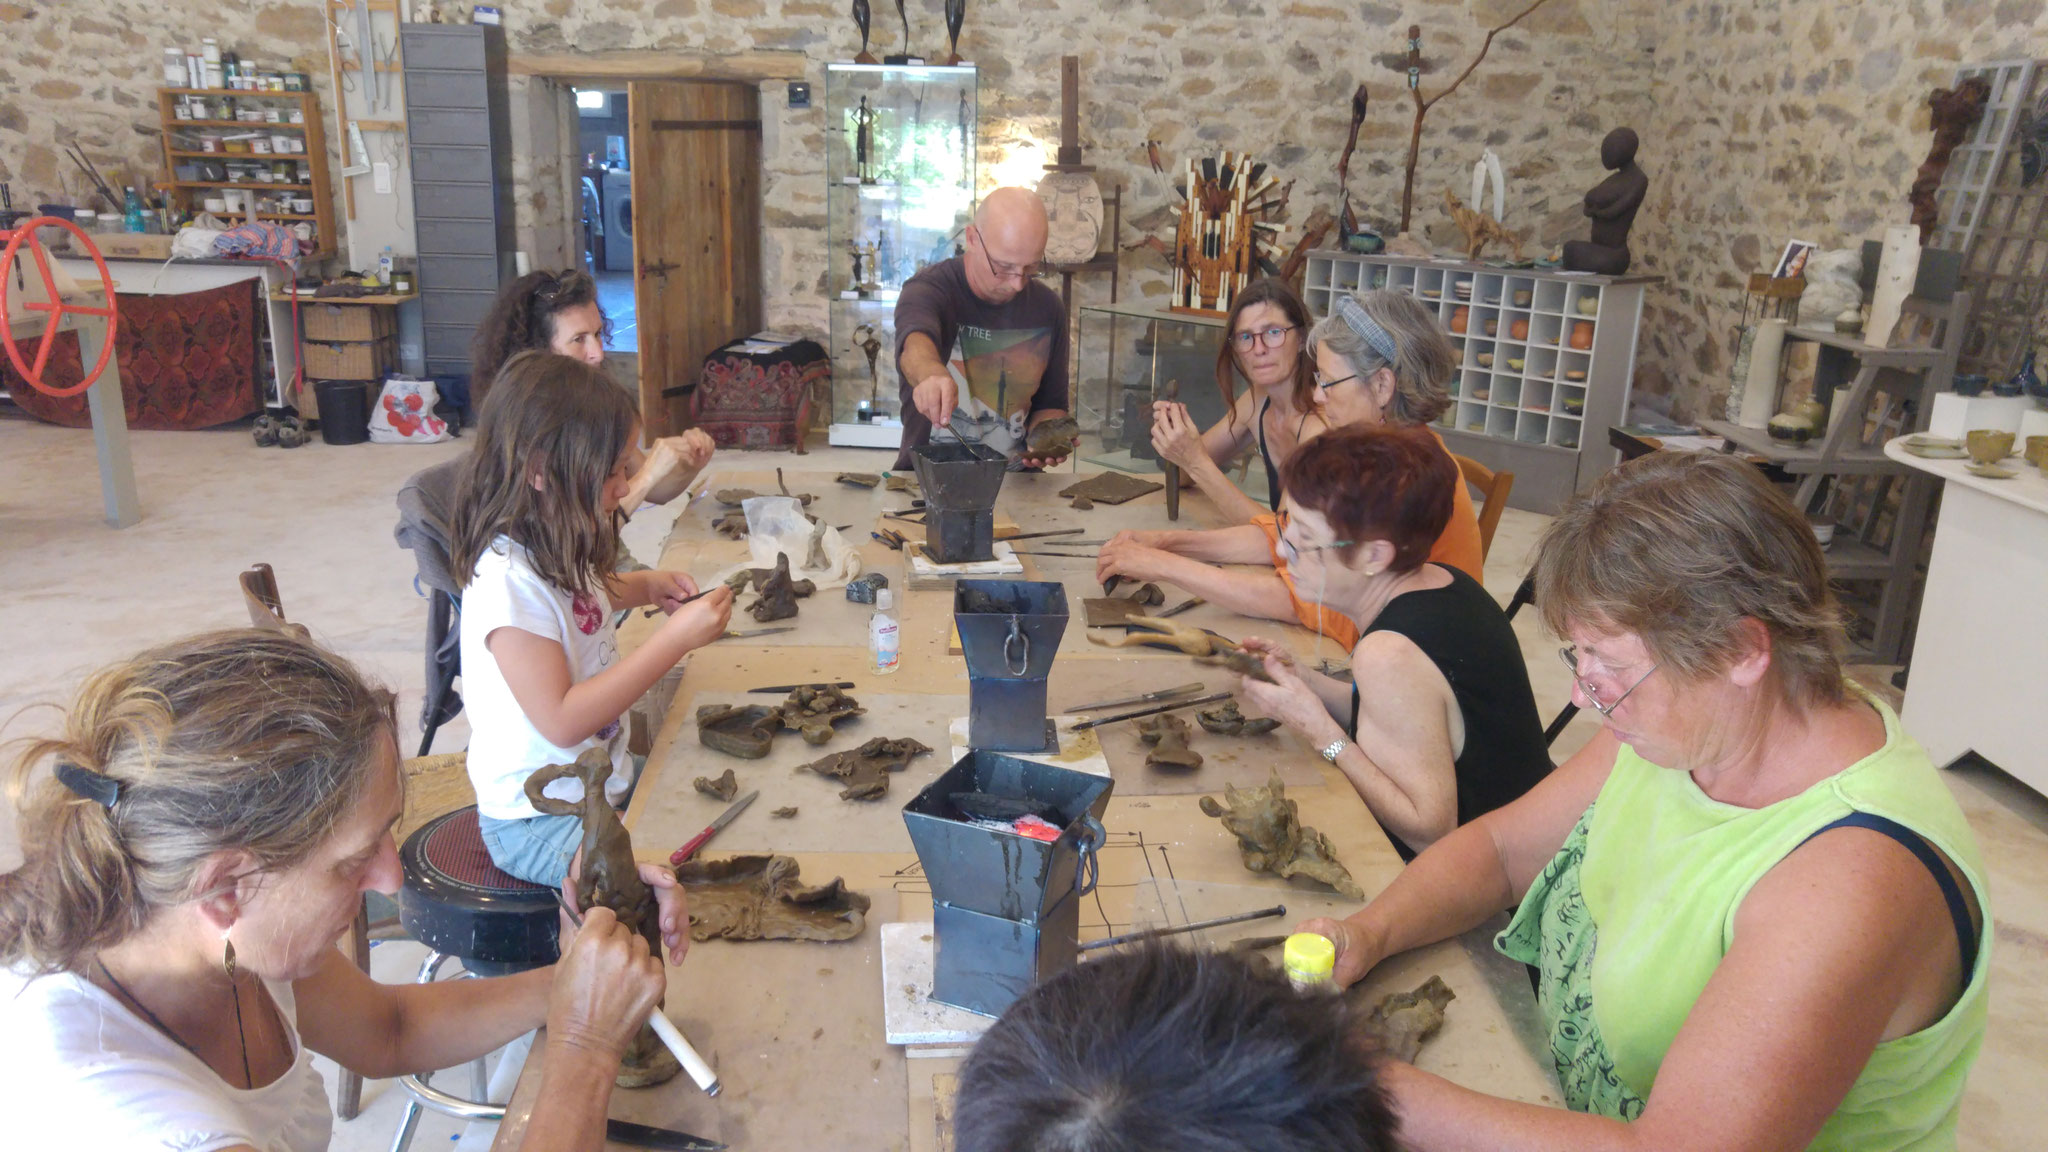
pixel 795 1029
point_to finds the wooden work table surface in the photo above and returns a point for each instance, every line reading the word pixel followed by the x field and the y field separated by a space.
pixel 795 1029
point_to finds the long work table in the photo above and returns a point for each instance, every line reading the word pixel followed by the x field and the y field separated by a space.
pixel 795 1029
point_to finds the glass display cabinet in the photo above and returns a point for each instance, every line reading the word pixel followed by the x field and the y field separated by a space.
pixel 1129 355
pixel 900 147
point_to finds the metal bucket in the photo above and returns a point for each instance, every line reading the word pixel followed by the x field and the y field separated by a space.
pixel 1009 655
pixel 960 482
pixel 1006 907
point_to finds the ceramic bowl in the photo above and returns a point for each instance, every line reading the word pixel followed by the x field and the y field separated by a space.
pixel 1988 446
pixel 1971 384
pixel 1485 359
pixel 1823 531
pixel 1575 375
pixel 1432 293
pixel 1575 405
pixel 2037 452
pixel 1522 297
pixel 1589 305
pixel 1516 362
pixel 1493 327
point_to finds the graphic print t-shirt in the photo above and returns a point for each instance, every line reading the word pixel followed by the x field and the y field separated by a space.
pixel 1009 359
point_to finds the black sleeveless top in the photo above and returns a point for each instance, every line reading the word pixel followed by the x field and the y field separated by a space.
pixel 1272 473
pixel 1467 636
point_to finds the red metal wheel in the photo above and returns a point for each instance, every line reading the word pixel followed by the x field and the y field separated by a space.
pixel 54 306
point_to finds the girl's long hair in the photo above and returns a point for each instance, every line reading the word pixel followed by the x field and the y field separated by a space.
pixel 550 432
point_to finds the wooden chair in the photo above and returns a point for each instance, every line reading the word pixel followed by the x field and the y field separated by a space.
pixel 434 785
pixel 1493 489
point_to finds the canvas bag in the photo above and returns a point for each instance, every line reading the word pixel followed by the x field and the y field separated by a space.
pixel 404 414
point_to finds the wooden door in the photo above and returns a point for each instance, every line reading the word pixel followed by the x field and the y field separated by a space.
pixel 696 155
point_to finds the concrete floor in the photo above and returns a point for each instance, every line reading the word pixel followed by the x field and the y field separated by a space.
pixel 80 595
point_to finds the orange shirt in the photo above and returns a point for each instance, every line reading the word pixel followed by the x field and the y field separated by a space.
pixel 1457 547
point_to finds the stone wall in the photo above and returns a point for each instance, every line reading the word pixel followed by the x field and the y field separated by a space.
pixel 1775 120
pixel 1761 119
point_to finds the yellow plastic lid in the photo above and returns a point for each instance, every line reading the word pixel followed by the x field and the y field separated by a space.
pixel 1309 958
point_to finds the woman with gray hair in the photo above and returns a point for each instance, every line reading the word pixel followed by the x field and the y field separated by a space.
pixel 1757 917
pixel 1379 359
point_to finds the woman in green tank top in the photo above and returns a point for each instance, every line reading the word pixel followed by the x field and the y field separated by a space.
pixel 1756 916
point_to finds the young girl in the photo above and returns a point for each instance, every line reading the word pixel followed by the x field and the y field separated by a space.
pixel 536 527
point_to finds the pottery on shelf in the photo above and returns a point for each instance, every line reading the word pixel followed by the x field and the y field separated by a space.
pixel 1516 362
pixel 2037 452
pixel 1589 305
pixel 2030 381
pixel 1519 328
pixel 1582 334
pixel 1482 393
pixel 1575 375
pixel 1574 405
pixel 1485 359
pixel 1432 293
pixel 1522 297
pixel 1461 319
pixel 1970 384
pixel 1492 326
pixel 1988 445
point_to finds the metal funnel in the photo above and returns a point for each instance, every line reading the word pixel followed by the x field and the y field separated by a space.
pixel 960 482
pixel 1006 907
pixel 1009 632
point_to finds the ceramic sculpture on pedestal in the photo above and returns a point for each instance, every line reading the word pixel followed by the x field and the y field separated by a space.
pixel 861 17
pixel 1612 204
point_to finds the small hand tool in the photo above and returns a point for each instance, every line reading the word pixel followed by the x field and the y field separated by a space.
pixel 1141 698
pixel 779 689
pixel 690 849
pixel 666 1029
pixel 1197 926
pixel 1176 706
pixel 652 609
pixel 731 635
pixel 642 1136
pixel 1177 609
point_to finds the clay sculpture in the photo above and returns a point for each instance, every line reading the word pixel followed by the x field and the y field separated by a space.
pixel 1226 720
pixel 739 731
pixel 1205 647
pixel 1951 112
pixel 866 768
pixel 732 525
pixel 1272 838
pixel 814 558
pixel 761 898
pixel 1168 734
pixel 861 589
pixel 724 788
pixel 1612 205
pixel 1403 1020
pixel 1148 594
pixel 788 813
pixel 734 497
pixel 609 877
pixel 1110 488
pixel 1479 228
pixel 812 709
pixel 1054 438
pixel 779 593
pixel 860 479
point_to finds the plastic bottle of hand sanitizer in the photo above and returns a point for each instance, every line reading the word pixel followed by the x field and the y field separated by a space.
pixel 883 644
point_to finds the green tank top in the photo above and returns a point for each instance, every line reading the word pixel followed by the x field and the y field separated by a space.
pixel 1628 922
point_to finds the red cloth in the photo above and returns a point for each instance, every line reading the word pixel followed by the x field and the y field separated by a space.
pixel 758 401
pixel 187 361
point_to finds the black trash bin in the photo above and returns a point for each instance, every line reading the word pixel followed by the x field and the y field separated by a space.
pixel 344 410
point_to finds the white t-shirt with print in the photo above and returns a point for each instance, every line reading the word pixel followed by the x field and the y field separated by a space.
pixel 504 746
pixel 79 1069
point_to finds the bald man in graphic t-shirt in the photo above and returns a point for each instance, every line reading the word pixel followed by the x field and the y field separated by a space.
pixel 1003 367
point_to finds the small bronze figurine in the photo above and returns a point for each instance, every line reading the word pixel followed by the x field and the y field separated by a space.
pixel 864 338
pixel 956 15
pixel 1612 204
pixel 861 18
pixel 863 143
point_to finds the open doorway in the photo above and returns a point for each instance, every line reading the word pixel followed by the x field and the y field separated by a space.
pixel 604 147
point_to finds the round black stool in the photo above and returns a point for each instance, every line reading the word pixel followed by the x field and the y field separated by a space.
pixel 457 903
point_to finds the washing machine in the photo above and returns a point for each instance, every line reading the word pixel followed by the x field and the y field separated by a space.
pixel 618 220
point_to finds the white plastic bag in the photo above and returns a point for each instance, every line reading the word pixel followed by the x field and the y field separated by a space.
pixel 405 414
pixel 777 524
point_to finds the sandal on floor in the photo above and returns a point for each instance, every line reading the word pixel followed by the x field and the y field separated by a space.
pixel 290 432
pixel 265 431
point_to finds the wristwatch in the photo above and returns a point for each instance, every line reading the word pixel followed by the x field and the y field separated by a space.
pixel 1334 749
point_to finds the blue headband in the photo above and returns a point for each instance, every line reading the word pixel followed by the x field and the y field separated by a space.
pixel 1367 328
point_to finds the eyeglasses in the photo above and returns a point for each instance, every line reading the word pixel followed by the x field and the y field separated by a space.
pixel 1005 271
pixel 1570 655
pixel 1326 385
pixel 1270 337
pixel 1295 552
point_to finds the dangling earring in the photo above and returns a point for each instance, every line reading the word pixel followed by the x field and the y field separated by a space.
pixel 228 959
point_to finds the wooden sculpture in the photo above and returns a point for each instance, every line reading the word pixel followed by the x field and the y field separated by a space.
pixel 1416 68
pixel 861 17
pixel 1953 112
pixel 1479 228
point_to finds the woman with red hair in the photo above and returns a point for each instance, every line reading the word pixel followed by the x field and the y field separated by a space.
pixel 1436 725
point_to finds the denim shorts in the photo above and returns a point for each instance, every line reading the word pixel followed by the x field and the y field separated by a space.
pixel 537 849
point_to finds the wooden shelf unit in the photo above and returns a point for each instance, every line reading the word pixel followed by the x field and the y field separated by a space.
pixel 1509 418
pixel 185 194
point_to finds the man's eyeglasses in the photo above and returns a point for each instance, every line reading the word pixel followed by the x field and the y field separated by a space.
pixel 1296 552
pixel 1005 271
pixel 1270 337
pixel 1570 655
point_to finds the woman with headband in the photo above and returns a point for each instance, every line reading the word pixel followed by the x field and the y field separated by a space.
pixel 1379 359
pixel 558 312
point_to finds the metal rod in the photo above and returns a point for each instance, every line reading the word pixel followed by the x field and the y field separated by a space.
pixel 666 1029
pixel 1197 926
pixel 1218 698
pixel 1038 535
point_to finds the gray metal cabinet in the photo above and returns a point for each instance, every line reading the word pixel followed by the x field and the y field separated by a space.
pixel 458 126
